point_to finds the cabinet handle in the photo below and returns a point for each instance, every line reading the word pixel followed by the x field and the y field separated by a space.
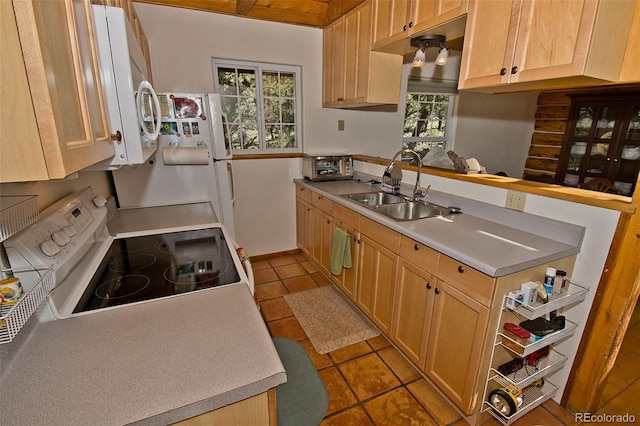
pixel 503 71
pixel 404 28
pixel 411 24
pixel 117 136
pixel 437 290
pixel 328 222
pixel 514 70
pixel 429 286
pixel 416 247
pixel 461 269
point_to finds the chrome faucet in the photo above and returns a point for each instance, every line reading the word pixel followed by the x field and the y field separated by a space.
pixel 417 191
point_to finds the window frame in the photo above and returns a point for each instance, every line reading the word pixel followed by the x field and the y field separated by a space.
pixel 450 126
pixel 259 68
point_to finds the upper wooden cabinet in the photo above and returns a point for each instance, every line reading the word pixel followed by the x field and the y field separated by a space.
pixel 353 75
pixel 398 20
pixel 54 68
pixel 513 45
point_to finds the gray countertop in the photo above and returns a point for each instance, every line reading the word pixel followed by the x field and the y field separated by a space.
pixel 153 363
pixel 493 240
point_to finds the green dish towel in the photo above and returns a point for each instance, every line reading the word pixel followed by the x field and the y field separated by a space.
pixel 340 251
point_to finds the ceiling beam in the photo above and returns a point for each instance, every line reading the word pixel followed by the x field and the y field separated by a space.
pixel 244 6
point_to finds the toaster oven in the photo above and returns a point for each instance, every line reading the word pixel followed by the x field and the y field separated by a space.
pixel 327 167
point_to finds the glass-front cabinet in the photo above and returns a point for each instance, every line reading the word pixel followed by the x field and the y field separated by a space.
pixel 602 141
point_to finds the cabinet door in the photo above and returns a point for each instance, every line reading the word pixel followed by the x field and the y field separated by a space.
pixel 358 52
pixel 453 363
pixel 377 268
pixel 412 311
pixel 60 57
pixel 304 225
pixel 489 43
pixel 391 21
pixel 322 235
pixel 333 67
pixel 426 14
pixel 25 160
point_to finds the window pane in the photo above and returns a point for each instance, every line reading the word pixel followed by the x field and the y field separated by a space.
pixel 250 138
pixel 425 124
pixel 288 111
pixel 247 82
pixel 227 81
pixel 271 110
pixel 270 85
pixel 272 136
pixel 287 85
pixel 288 136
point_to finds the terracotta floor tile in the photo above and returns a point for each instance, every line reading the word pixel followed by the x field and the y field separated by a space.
pixel 309 267
pixel 397 407
pixel 275 309
pixel 355 416
pixel 260 264
pixel 398 364
pixel 288 271
pixel 439 408
pixel 538 416
pixel 282 260
pixel 378 342
pixel 270 290
pixel 264 276
pixel 287 327
pixel 304 282
pixel 350 352
pixel 368 376
pixel 320 278
pixel 320 361
pixel 340 395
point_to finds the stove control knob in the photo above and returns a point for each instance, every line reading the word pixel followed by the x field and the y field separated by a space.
pixel 60 238
pixel 49 248
pixel 69 231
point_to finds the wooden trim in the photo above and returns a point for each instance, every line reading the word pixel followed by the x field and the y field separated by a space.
pixel 592 198
pixel 267 156
pixel 276 254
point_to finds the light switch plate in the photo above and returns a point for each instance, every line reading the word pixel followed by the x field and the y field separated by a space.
pixel 516 200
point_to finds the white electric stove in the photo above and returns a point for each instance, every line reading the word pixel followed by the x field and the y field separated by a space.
pixel 138 256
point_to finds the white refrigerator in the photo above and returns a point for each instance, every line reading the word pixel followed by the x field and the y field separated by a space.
pixel 192 163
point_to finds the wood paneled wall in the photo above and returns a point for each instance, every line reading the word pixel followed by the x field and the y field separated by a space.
pixel 546 142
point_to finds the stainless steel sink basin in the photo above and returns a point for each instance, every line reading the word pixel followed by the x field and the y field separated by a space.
pixel 411 210
pixel 375 198
pixel 398 207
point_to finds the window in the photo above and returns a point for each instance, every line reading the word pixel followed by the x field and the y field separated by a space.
pixel 262 104
pixel 425 121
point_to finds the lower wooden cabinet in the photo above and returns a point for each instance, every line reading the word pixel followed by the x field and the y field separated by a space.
pixel 456 342
pixel 346 280
pixel 304 225
pixel 322 236
pixel 375 288
pixel 412 311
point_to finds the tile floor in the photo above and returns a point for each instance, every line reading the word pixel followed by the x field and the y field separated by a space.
pixel 369 383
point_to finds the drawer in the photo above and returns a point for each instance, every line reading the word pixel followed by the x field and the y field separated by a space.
pixel 321 202
pixel 384 236
pixel 466 279
pixel 346 215
pixel 303 193
pixel 420 255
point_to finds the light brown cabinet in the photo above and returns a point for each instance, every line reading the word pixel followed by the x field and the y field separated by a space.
pixel 397 20
pixel 348 221
pixel 54 68
pixel 514 45
pixel 353 75
pixel 454 364
pixel 304 225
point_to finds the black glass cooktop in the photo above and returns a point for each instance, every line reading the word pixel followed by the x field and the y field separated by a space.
pixel 149 267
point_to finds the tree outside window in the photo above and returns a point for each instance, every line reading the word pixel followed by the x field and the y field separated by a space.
pixel 262 104
pixel 425 121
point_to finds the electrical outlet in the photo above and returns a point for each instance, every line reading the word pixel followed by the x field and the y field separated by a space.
pixel 515 200
pixel 341 125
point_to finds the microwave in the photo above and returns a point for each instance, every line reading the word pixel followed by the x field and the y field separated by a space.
pixel 327 167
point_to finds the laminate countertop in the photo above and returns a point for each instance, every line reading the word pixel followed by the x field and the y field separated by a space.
pixel 153 363
pixel 495 241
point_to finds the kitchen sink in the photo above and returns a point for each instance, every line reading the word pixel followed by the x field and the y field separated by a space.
pixel 398 207
pixel 411 210
pixel 375 198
